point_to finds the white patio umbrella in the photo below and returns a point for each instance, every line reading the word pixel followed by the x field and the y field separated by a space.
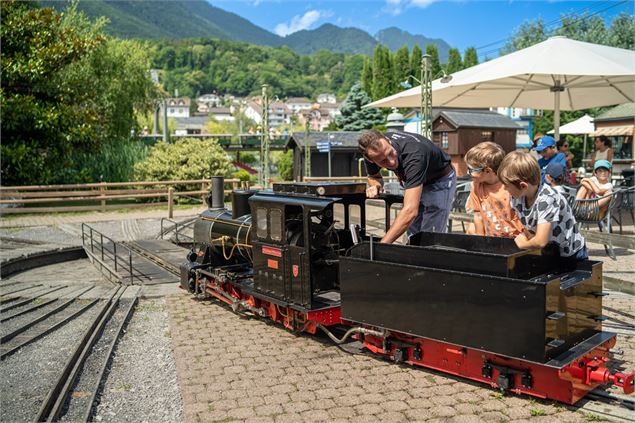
pixel 556 74
pixel 583 126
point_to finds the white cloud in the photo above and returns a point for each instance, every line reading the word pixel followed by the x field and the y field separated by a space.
pixel 422 3
pixel 396 7
pixel 299 23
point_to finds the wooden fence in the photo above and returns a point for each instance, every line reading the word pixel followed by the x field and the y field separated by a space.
pixel 55 198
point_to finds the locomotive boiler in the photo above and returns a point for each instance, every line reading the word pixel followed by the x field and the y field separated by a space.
pixel 478 307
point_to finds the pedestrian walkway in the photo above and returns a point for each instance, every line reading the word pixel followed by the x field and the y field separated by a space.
pixel 233 368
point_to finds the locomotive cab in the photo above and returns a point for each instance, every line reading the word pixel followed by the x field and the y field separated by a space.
pixel 297 240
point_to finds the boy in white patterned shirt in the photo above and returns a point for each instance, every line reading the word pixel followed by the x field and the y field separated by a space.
pixel 545 213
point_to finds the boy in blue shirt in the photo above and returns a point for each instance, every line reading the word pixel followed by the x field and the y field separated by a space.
pixel 548 151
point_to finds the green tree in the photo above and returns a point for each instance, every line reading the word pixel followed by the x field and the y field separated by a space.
pixel 592 29
pixel 470 58
pixel 528 34
pixel 66 88
pixel 402 64
pixel 622 32
pixel 454 61
pixel 415 61
pixel 354 117
pixel 435 65
pixel 367 76
pixel 383 79
pixel 284 163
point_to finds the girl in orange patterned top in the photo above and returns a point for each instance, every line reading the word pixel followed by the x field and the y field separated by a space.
pixel 490 203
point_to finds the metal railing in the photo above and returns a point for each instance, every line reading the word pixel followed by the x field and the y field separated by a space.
pixel 120 255
pixel 177 228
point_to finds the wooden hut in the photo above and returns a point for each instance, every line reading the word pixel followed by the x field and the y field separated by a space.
pixel 456 131
pixel 344 153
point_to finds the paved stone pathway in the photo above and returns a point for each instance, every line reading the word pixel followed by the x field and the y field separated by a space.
pixel 232 368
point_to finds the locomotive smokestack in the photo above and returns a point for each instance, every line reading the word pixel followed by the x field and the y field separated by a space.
pixel 216 198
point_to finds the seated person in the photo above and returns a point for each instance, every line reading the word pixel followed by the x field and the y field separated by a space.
pixel 563 147
pixel 547 216
pixel 493 215
pixel 597 185
pixel 549 153
pixel 554 176
pixel 603 150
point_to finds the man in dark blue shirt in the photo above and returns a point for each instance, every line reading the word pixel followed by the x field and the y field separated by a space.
pixel 424 170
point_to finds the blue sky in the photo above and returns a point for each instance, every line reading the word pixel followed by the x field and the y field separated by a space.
pixel 462 23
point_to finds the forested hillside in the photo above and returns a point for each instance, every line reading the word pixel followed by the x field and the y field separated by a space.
pixel 206 65
pixel 171 20
pixel 395 38
pixel 178 19
pixel 332 38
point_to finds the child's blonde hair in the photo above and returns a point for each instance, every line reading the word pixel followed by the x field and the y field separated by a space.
pixel 485 154
pixel 519 167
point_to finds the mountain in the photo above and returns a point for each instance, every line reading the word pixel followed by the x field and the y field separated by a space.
pixel 333 38
pixel 394 38
pixel 177 19
pixel 172 19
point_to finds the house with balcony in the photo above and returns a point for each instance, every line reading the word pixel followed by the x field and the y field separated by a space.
pixel 279 113
pixel 326 98
pixel 297 104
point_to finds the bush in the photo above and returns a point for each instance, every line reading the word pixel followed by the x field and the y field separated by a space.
pixel 242 175
pixel 114 162
pixel 185 159
pixel 285 165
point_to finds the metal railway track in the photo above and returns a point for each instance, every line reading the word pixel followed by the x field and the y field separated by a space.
pixel 21 301
pixel 58 403
pixel 23 288
pixel 154 258
pixel 41 326
pixel 88 362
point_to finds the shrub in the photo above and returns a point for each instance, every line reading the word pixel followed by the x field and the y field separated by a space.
pixel 114 162
pixel 242 175
pixel 285 165
pixel 185 159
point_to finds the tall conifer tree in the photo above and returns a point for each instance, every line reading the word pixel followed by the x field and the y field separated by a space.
pixel 435 65
pixel 367 76
pixel 454 61
pixel 470 58
pixel 415 62
pixel 402 65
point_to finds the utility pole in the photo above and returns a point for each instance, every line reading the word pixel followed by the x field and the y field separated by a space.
pixel 426 97
pixel 330 146
pixel 264 144
pixel 165 121
pixel 307 148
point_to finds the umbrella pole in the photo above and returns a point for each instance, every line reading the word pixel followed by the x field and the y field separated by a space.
pixel 556 111
pixel 584 150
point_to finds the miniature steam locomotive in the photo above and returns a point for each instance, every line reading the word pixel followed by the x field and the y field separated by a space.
pixel 476 307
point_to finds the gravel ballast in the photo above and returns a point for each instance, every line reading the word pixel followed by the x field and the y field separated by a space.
pixel 141 384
